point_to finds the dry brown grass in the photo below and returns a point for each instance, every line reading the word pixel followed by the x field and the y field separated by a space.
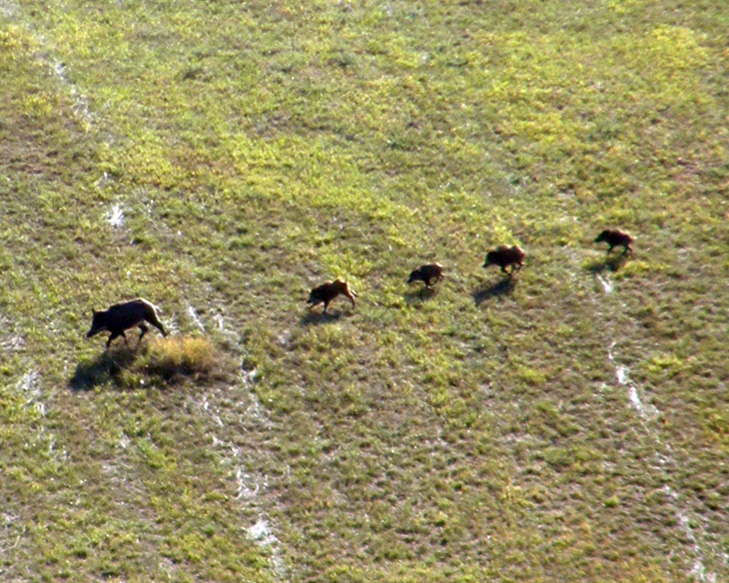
pixel 174 358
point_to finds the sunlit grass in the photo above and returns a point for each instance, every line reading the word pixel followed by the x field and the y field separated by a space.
pixel 176 357
pixel 221 159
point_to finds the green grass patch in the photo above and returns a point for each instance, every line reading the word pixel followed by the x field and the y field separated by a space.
pixel 221 159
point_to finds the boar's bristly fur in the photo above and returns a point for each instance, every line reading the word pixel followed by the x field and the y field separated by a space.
pixel 616 238
pixel 326 292
pixel 121 317
pixel 505 256
pixel 427 274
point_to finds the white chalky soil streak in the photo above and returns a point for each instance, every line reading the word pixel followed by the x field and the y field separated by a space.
pixel 649 413
pixel 261 533
pixel 115 216
pixel 607 285
pixel 698 570
pixel 194 317
pixel 249 488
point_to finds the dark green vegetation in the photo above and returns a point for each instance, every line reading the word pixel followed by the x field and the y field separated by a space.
pixel 221 158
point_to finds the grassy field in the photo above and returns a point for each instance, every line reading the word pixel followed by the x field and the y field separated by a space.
pixel 221 158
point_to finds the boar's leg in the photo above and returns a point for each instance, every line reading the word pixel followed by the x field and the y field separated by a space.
pixel 114 335
pixel 144 330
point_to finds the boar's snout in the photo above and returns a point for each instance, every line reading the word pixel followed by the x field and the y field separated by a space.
pixel 96 325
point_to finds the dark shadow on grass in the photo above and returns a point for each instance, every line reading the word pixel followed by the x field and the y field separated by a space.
pixel 99 371
pixel 311 317
pixel 610 263
pixel 424 293
pixel 504 287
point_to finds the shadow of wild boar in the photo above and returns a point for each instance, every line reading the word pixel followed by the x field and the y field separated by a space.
pixel 326 292
pixel 121 317
pixel 616 238
pixel 505 256
pixel 427 273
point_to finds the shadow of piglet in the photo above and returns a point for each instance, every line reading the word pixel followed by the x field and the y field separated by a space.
pixel 502 288
pixel 310 318
pixel 424 293
pixel 611 263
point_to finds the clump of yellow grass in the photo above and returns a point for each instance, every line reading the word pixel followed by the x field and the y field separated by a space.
pixel 176 357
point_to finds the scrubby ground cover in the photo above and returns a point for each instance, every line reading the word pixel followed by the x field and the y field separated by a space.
pixel 221 158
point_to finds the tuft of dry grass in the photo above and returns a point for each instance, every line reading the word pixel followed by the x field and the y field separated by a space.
pixel 171 359
pixel 158 363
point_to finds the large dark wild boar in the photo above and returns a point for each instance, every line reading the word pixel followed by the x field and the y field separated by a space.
pixel 616 238
pixel 505 256
pixel 120 317
pixel 427 273
pixel 326 292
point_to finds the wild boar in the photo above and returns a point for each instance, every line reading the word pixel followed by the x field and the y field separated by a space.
pixel 326 292
pixel 505 256
pixel 121 317
pixel 616 238
pixel 427 273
